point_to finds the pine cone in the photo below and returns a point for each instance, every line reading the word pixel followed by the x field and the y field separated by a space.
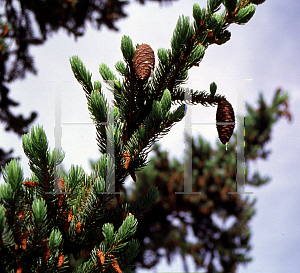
pixel 225 113
pixel 143 61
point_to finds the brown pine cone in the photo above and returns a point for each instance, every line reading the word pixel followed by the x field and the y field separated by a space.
pixel 225 114
pixel 143 61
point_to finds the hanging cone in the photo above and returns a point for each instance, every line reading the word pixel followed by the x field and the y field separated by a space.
pixel 143 61
pixel 225 113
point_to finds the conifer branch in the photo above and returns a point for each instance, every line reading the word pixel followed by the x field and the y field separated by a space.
pixel 40 230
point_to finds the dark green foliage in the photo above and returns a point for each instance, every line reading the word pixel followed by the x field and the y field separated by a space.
pixel 55 216
pixel 230 4
pixel 82 75
pixel 245 14
pixel 47 17
pixel 215 23
pixel 259 126
pixel 213 88
pixel 127 49
pixel 197 13
pixel 223 37
pixel 214 175
pixel 182 33
pixel 213 5
pixel 106 73
pixel 88 201
pixel 120 67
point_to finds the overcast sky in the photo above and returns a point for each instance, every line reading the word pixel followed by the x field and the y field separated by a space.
pixel 264 50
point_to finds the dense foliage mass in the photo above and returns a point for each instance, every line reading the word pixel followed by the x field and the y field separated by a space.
pixel 50 218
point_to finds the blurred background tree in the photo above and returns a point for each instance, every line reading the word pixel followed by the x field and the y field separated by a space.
pixel 25 23
pixel 212 227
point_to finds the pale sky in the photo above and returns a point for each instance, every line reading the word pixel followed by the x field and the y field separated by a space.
pixel 264 50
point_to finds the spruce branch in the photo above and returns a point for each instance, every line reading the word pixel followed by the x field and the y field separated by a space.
pixel 189 43
pixel 82 75
pixel 84 209
pixel 202 97
pixel 41 226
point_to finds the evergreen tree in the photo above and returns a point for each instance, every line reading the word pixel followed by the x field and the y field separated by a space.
pixel 52 216
pixel 17 27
